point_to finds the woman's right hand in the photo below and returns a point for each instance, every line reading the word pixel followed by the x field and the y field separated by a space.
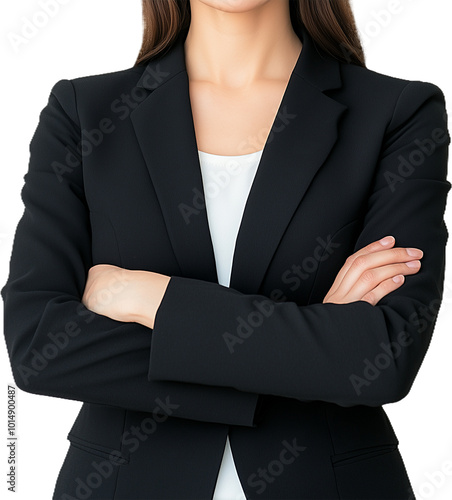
pixel 373 271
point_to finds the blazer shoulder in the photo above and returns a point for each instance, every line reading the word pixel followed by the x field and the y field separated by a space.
pixel 392 99
pixel 94 92
pixel 380 84
pixel 109 78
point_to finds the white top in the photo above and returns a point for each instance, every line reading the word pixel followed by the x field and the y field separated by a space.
pixel 226 182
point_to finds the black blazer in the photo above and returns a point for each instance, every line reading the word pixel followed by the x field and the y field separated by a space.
pixel 114 178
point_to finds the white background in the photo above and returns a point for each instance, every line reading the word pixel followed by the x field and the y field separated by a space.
pixel 88 37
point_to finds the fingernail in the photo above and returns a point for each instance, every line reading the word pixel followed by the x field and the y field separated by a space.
pixel 413 263
pixel 414 252
pixel 398 279
pixel 387 240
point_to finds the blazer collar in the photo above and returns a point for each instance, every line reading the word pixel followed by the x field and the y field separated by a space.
pixel 302 136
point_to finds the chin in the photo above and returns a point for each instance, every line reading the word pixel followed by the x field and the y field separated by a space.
pixel 234 5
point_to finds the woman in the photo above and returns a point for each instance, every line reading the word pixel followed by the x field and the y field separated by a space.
pixel 226 258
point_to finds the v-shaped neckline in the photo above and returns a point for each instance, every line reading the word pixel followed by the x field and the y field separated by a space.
pixel 279 112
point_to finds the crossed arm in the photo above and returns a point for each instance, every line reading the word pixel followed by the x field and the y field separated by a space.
pixel 60 346
pixel 135 296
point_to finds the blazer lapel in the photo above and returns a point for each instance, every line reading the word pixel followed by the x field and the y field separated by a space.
pixel 302 136
pixel 164 126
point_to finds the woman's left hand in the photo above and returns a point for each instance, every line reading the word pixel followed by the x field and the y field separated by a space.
pixel 124 294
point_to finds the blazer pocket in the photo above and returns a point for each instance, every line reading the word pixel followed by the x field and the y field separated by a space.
pixel 351 457
pixel 374 472
pixel 89 471
pixel 115 456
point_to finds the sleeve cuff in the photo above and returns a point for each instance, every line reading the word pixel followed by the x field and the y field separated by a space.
pixel 226 404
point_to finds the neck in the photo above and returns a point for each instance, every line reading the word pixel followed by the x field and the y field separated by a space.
pixel 237 48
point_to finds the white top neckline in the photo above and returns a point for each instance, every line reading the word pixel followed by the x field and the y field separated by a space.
pixel 227 157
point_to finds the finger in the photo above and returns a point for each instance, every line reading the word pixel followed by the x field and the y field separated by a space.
pixel 383 289
pixel 376 246
pixel 371 278
pixel 365 264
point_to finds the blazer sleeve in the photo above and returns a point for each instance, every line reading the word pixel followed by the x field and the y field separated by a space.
pixel 348 354
pixel 58 347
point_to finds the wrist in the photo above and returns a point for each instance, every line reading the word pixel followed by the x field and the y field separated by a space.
pixel 149 289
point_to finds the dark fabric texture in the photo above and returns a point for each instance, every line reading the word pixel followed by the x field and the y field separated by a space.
pixel 114 178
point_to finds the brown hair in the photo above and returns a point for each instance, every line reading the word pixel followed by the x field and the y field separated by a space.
pixel 330 23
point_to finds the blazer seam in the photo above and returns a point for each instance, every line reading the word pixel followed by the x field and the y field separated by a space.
pixel 181 71
pixel 307 81
pixel 115 236
pixel 396 106
pixel 126 411
pixel 78 125
pixel 116 239
pixel 328 428
pixel 163 83
pixel 76 104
